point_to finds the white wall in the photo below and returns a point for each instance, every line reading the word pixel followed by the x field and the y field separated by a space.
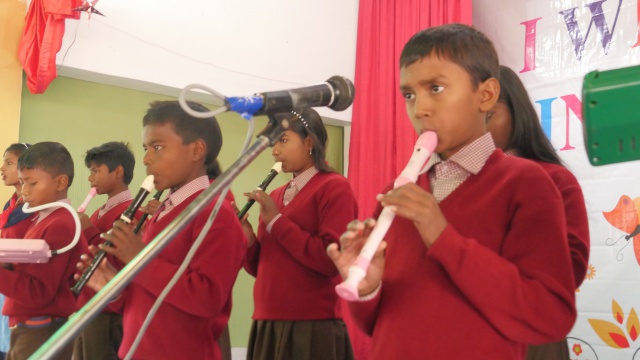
pixel 237 47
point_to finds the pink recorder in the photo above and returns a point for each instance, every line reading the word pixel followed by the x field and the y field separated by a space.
pixel 348 289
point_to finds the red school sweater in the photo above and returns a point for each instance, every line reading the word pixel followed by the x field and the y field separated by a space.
pixel 44 289
pixel 576 214
pixel 498 277
pixel 197 309
pixel 16 222
pixel 295 278
pixel 92 234
pixel 17 230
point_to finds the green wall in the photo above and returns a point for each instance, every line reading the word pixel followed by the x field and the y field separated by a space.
pixel 82 115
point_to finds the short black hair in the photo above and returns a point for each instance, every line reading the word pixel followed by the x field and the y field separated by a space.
pixel 51 157
pixel 112 154
pixel 214 170
pixel 17 148
pixel 458 43
pixel 186 126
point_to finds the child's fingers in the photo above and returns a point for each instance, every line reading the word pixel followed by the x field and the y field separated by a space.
pixel 250 195
pixel 355 225
pixel 333 252
pixel 381 249
pixel 93 250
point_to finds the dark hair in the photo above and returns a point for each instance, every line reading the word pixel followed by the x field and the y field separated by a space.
pixel 214 170
pixel 186 126
pixel 49 156
pixel 527 136
pixel 113 154
pixel 307 122
pixel 18 148
pixel 458 43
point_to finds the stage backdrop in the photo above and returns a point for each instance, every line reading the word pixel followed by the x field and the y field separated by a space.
pixel 553 44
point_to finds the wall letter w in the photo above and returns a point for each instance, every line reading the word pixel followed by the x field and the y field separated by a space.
pixel 597 18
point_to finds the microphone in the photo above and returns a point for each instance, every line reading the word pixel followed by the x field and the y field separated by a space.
pixel 425 146
pixel 275 170
pixel 337 93
pixel 127 216
pixel 92 193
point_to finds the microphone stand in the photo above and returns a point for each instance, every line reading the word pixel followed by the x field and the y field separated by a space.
pixel 72 328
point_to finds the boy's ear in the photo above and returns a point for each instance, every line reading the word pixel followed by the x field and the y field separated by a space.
pixel 489 94
pixel 119 170
pixel 199 149
pixel 62 182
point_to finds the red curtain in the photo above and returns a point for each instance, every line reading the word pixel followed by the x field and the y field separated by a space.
pixel 42 39
pixel 382 138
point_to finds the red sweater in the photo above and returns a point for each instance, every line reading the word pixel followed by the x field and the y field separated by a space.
pixel 15 223
pixel 17 230
pixel 44 289
pixel 104 223
pixel 497 278
pixel 197 309
pixel 295 278
pixel 576 214
pixel 92 234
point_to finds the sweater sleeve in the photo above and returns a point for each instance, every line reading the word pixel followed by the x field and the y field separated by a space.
pixel 92 234
pixel 252 258
pixel 336 208
pixel 525 291
pixel 36 285
pixel 364 313
pixel 577 224
pixel 203 288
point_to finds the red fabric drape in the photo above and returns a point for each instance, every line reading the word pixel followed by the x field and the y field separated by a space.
pixel 382 138
pixel 42 39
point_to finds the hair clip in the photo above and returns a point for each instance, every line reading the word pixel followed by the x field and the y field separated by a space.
pixel 25 145
pixel 301 119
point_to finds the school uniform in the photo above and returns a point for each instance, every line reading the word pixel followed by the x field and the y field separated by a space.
pixel 579 243
pixel 101 338
pixel 297 312
pixel 498 277
pixel 14 224
pixel 38 296
pixel 197 309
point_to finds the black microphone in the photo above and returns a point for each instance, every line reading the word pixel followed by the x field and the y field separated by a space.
pixel 127 216
pixel 275 170
pixel 337 93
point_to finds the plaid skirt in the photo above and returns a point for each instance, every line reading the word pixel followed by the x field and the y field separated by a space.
pixel 299 340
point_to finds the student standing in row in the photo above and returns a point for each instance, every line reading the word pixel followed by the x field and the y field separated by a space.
pixel 515 128
pixel 179 149
pixel 13 222
pixel 38 296
pixel 111 168
pixel 476 262
pixel 297 312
